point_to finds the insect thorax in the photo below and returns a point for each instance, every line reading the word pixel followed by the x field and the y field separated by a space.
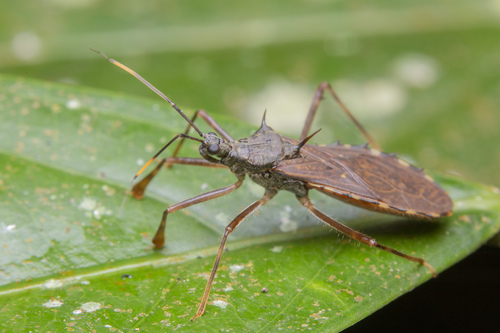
pixel 258 154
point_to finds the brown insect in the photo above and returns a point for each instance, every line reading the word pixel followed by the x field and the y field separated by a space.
pixel 358 175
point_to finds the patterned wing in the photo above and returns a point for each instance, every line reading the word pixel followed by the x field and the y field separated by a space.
pixel 368 178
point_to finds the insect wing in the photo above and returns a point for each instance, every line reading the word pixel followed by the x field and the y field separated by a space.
pixel 368 178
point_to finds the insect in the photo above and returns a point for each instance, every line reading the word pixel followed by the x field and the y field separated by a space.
pixel 358 175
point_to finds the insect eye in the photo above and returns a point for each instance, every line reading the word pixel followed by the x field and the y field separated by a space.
pixel 213 149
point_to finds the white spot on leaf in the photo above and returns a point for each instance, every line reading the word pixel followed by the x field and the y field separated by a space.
pixel 53 303
pixel 109 191
pixel 221 217
pixel 221 304
pixel 236 268
pixel 91 306
pixel 73 104
pixel 149 147
pixel 6 229
pixel 52 283
pixel 88 204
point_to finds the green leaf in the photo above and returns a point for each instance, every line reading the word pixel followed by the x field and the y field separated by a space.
pixel 72 262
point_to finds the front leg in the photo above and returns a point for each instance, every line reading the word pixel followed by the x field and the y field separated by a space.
pixel 139 188
pixel 159 238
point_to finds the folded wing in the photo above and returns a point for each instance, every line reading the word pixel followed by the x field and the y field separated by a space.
pixel 368 178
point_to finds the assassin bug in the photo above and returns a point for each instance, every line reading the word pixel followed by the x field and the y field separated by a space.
pixel 358 175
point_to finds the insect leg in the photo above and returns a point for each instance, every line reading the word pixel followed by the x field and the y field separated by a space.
pixel 318 96
pixel 139 188
pixel 211 122
pixel 159 238
pixel 229 229
pixel 356 235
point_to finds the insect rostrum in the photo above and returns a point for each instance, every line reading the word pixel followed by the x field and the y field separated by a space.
pixel 358 175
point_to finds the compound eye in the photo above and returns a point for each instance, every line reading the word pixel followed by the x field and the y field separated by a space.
pixel 213 149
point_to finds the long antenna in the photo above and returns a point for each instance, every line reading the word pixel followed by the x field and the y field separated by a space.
pixel 150 86
pixel 162 95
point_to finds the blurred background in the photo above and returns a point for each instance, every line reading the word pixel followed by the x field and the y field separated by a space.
pixel 422 76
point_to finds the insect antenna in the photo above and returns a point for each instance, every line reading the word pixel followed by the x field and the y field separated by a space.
pixel 150 86
pixel 162 95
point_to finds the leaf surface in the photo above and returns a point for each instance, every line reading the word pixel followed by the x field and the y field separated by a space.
pixel 71 261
